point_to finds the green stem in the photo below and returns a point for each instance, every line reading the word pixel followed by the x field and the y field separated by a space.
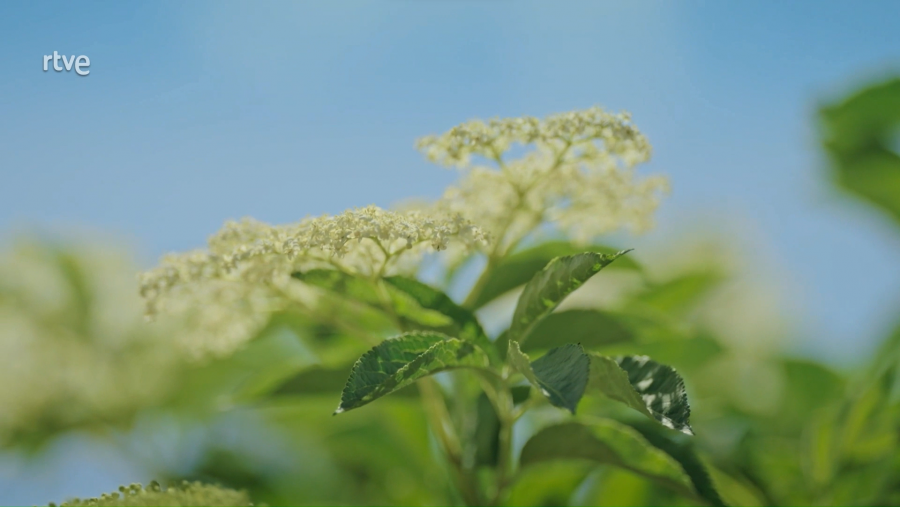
pixel 504 449
pixel 442 426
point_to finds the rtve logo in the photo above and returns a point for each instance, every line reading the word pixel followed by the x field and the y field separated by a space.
pixel 81 63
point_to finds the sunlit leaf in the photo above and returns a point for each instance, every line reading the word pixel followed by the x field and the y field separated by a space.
pixel 561 374
pixel 518 268
pixel 653 389
pixel 609 443
pixel 398 362
pixel 550 286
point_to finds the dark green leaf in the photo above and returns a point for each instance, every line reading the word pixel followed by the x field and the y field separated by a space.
pixel 520 267
pixel 400 361
pixel 466 326
pixel 609 443
pixel 859 135
pixel 561 374
pixel 551 285
pixel 653 389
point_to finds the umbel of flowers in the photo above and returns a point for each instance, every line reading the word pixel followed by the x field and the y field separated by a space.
pixel 576 173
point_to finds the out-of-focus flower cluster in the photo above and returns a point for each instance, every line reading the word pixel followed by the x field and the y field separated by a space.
pixel 579 176
pixel 229 290
pixel 188 494
pixel 74 349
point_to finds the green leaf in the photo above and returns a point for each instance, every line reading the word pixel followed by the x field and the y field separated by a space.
pixel 682 448
pixel 808 386
pixel 466 326
pixel 859 134
pixel 653 389
pixel 398 362
pixel 551 285
pixel 367 291
pixel 678 295
pixel 608 443
pixel 551 483
pixel 590 328
pixel 561 374
pixel 518 268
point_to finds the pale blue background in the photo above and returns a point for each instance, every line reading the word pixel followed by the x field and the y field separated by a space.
pixel 195 112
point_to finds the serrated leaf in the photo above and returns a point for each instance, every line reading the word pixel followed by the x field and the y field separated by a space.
pixel 547 289
pixel 609 443
pixel 398 362
pixel 561 374
pixel 518 268
pixel 466 326
pixel 653 389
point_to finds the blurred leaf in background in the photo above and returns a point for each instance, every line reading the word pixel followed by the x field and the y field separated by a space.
pixel 862 135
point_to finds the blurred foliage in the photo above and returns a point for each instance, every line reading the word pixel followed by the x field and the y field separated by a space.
pixel 771 429
pixel 862 134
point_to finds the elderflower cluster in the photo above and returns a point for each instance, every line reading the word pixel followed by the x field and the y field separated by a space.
pixel 228 291
pixel 74 348
pixel 579 176
pixel 187 494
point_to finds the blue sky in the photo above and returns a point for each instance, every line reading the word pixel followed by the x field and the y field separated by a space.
pixel 195 112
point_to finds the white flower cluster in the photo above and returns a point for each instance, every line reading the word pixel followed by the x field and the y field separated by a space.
pixel 580 176
pixel 245 274
pixel 74 347
pixel 493 138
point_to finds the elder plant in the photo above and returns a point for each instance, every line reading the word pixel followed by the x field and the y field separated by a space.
pixel 522 180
